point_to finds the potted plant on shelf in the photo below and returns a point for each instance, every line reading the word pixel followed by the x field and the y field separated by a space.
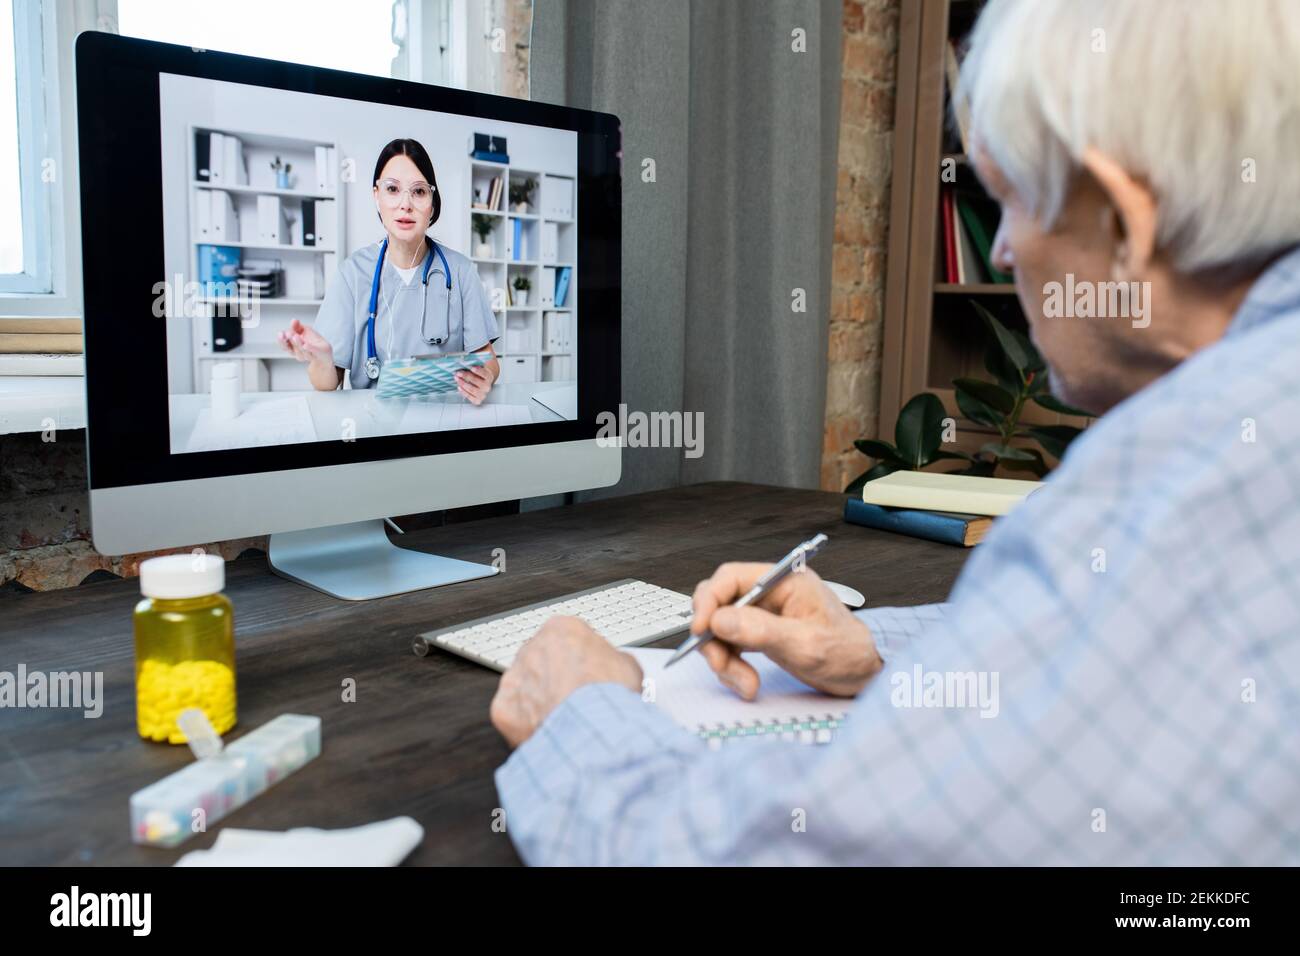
pixel 521 194
pixel 1020 378
pixel 522 285
pixel 281 170
pixel 482 227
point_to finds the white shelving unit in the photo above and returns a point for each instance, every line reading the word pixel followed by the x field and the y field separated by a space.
pixel 265 366
pixel 522 347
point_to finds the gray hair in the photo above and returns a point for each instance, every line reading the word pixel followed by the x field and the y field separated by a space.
pixel 1198 98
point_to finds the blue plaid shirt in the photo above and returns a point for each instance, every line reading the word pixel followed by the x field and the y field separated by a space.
pixel 1141 613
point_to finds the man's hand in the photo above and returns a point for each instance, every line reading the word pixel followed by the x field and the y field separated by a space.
pixel 800 624
pixel 562 656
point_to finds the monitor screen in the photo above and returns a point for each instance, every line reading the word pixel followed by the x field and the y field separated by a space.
pixel 338 269
pixel 288 267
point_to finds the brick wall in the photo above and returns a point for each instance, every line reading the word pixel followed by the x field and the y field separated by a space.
pixel 861 233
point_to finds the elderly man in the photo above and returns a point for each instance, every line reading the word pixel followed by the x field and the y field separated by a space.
pixel 1141 611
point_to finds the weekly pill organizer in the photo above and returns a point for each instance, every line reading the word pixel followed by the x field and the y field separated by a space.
pixel 425 374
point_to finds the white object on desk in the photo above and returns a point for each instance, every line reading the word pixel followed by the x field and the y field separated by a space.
pixel 225 391
pixel 277 422
pixel 845 594
pixel 693 697
pixel 386 843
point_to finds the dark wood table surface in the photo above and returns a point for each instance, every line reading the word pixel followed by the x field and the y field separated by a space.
pixel 416 741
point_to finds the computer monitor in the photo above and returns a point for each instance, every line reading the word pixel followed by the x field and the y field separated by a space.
pixel 232 222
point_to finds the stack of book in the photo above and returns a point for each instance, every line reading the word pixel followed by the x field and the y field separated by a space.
pixel 953 509
pixel 970 221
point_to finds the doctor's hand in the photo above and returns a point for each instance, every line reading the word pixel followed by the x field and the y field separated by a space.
pixel 307 345
pixel 562 656
pixel 800 625
pixel 474 383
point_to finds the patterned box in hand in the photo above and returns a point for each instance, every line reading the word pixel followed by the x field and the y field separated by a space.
pixel 425 374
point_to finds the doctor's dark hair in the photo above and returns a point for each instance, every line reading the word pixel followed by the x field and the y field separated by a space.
pixel 416 153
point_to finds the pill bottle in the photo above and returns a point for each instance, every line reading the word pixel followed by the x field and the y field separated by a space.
pixel 184 645
pixel 225 391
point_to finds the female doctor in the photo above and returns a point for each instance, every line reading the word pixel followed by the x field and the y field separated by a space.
pixel 404 295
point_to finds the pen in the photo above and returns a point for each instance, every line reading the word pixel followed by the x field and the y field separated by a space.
pixel 792 561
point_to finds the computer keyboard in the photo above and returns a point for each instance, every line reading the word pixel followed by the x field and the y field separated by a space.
pixel 626 613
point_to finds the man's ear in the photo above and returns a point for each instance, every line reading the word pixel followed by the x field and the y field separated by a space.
pixel 1135 208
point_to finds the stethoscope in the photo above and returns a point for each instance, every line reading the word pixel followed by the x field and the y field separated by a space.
pixel 372 354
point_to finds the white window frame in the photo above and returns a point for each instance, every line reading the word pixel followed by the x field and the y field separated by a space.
pixel 37 277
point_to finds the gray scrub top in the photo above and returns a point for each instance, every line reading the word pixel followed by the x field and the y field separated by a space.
pixel 466 321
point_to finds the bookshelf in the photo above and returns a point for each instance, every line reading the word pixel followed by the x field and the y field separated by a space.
pixel 265 366
pixel 538 339
pixel 931 332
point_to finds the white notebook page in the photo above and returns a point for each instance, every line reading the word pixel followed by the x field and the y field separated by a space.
pixel 692 695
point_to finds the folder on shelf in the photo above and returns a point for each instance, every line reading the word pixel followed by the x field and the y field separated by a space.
pixel 203 214
pixel 322 219
pixel 272 227
pixel 224 220
pixel 308 222
pixel 518 243
pixel 557 193
pixel 562 286
pixel 202 152
pixel 547 292
pixel 233 170
pixel 216 159
pixel 550 241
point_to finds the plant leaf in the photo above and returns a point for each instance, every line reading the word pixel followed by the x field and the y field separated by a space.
pixel 871 474
pixel 1055 439
pixel 1001 368
pixel 1018 348
pixel 1054 404
pixel 995 396
pixel 976 410
pixel 1002 452
pixel 883 450
pixel 919 431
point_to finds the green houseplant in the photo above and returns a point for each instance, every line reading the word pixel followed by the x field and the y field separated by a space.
pixel 1019 378
pixel 482 227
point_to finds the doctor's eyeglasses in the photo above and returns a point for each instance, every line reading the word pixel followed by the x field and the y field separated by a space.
pixel 390 193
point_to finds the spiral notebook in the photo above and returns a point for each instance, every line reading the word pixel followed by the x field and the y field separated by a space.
pixel 691 695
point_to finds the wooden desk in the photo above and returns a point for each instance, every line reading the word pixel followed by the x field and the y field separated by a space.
pixel 417 739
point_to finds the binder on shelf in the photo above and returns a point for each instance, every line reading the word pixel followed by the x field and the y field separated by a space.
pixel 546 297
pixel 517 245
pixel 216 159
pixel 322 169
pixel 203 214
pixel 321 218
pixel 272 227
pixel 223 219
pixel 308 222
pixel 234 172
pixel 202 150
pixel 562 286
pixel 557 193
pixel 550 241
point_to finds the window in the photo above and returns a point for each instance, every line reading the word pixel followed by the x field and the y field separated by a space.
pixel 354 35
pixel 25 167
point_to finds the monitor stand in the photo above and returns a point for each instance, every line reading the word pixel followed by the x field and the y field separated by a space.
pixel 357 562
